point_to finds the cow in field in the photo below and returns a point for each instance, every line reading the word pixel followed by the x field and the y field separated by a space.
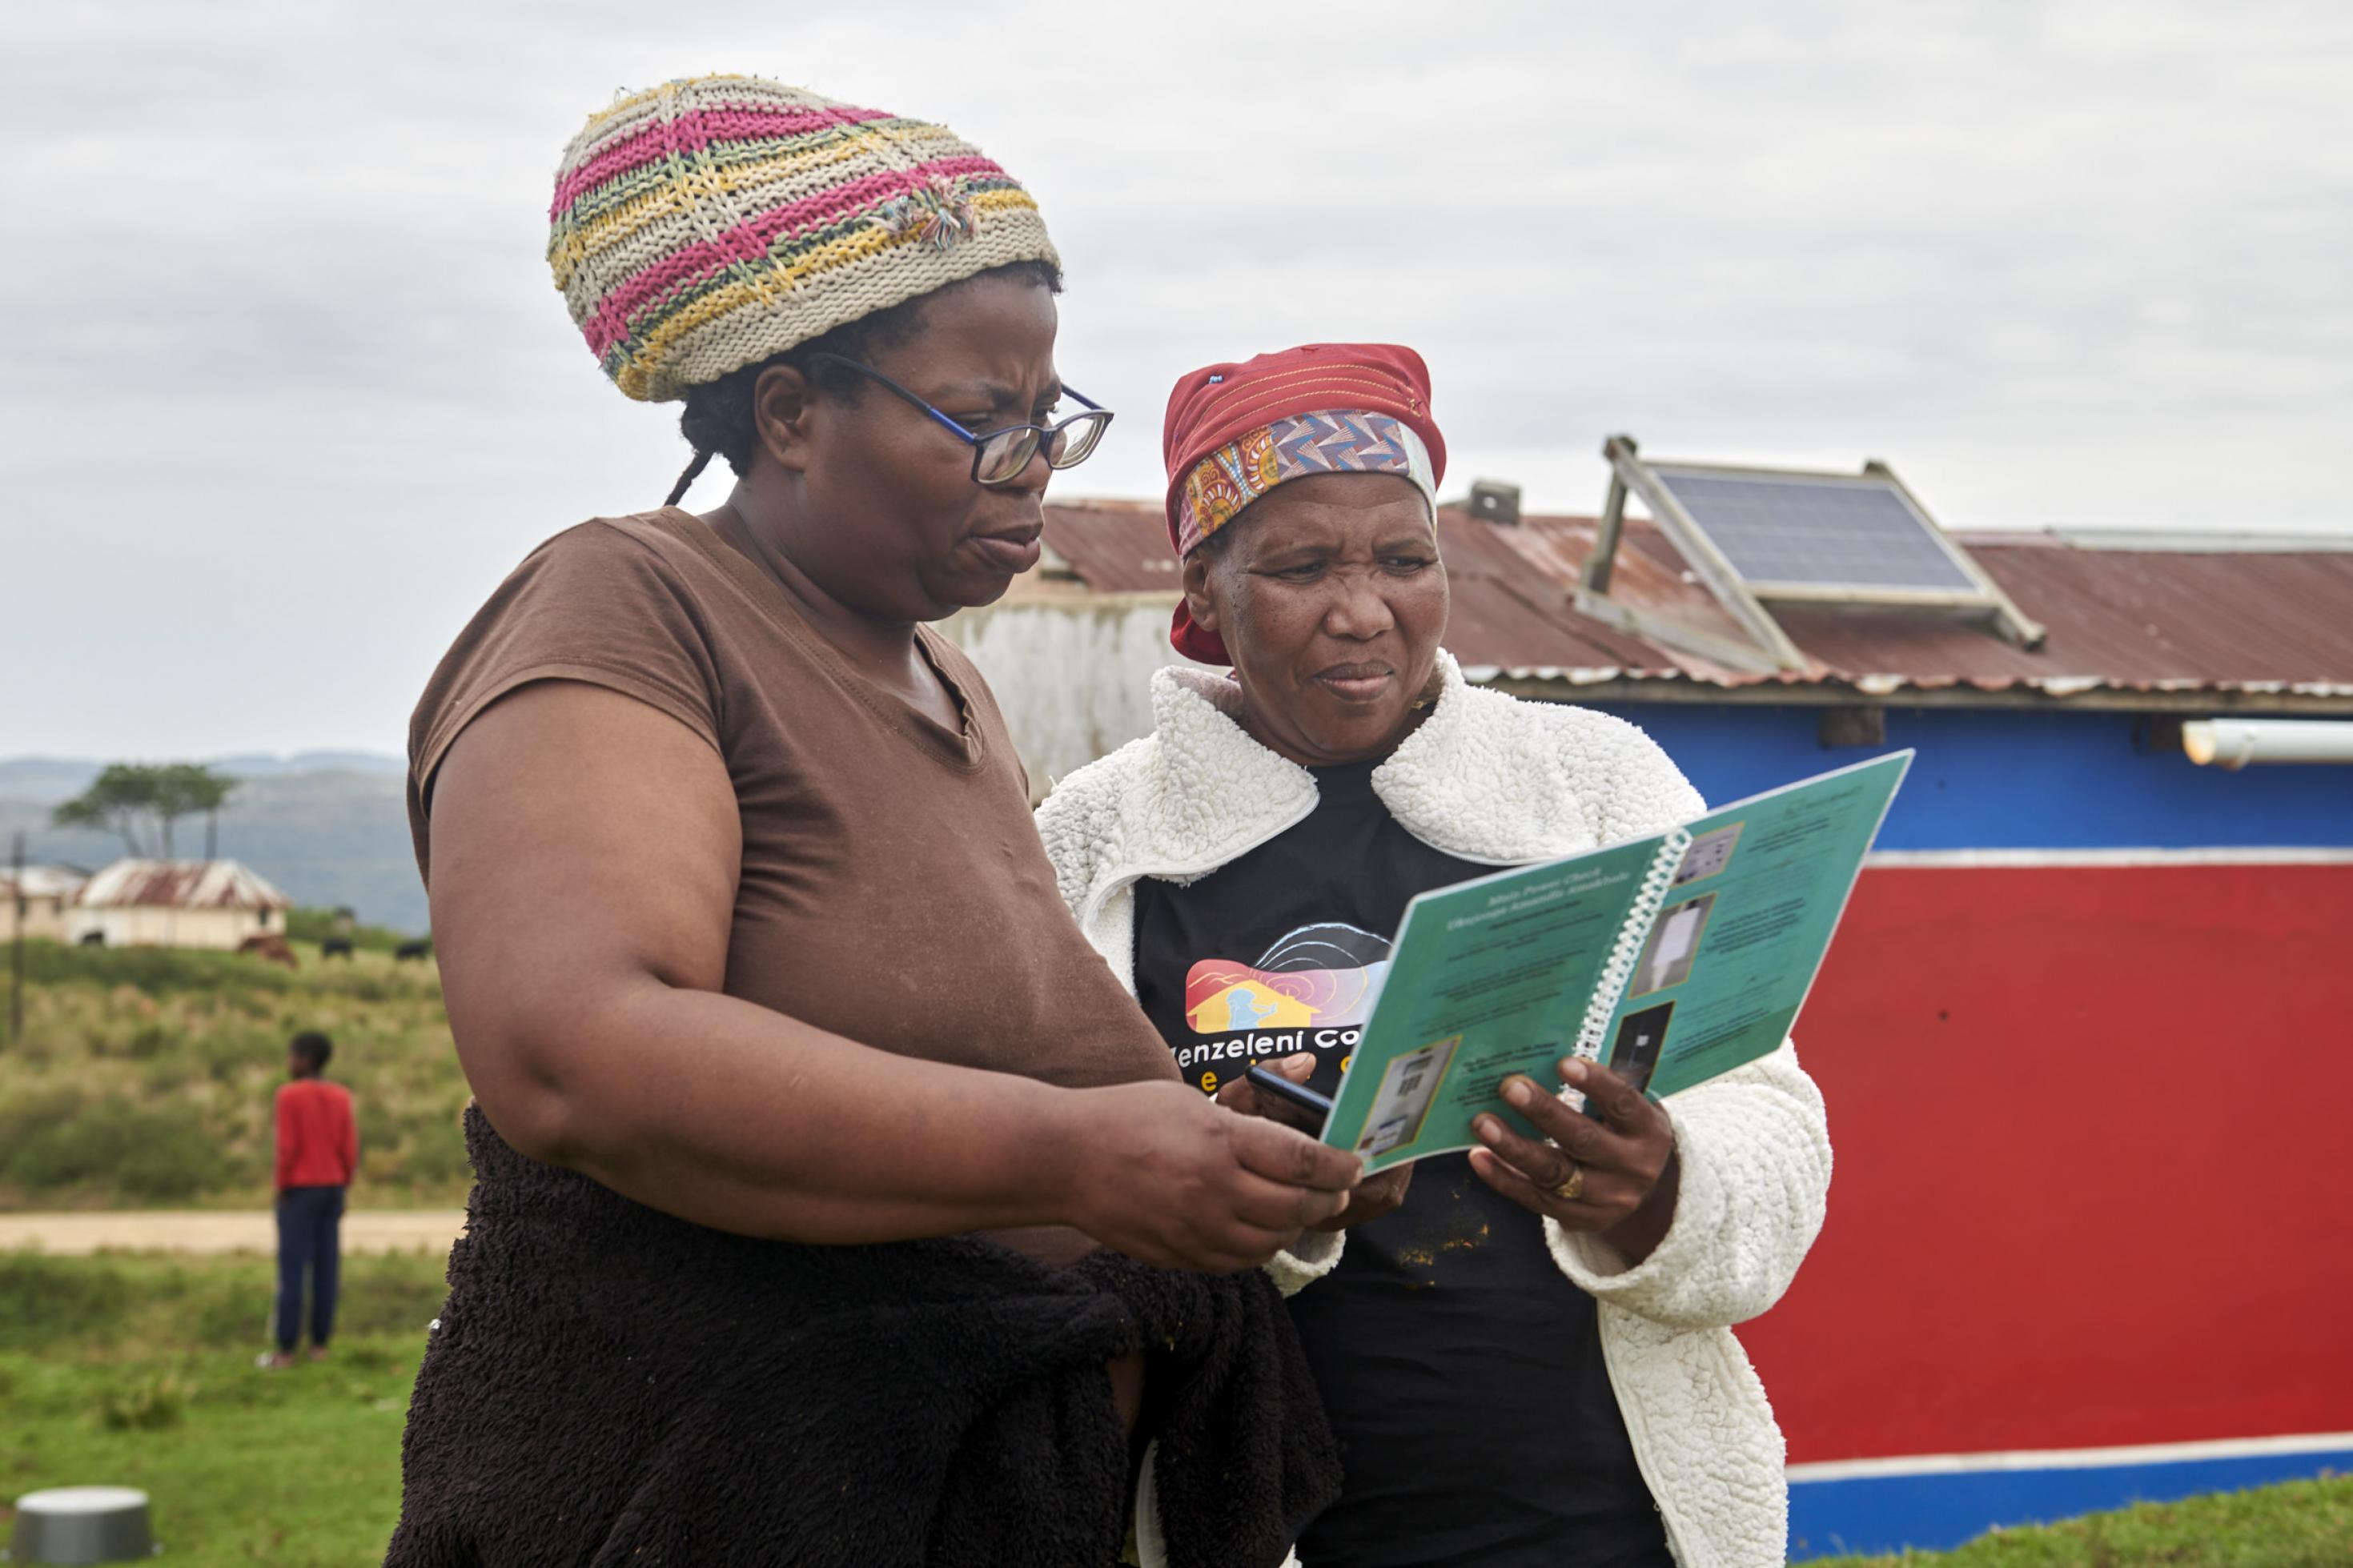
pixel 270 948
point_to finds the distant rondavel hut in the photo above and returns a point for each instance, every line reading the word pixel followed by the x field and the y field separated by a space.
pixel 45 897
pixel 177 903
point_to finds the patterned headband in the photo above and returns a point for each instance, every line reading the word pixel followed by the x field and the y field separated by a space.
pixel 1345 441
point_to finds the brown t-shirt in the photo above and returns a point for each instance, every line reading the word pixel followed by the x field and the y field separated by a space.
pixel 894 887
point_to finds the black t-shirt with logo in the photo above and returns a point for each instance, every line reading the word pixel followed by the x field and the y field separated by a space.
pixel 1462 1371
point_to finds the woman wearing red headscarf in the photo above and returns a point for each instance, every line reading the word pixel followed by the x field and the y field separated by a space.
pixel 1526 1352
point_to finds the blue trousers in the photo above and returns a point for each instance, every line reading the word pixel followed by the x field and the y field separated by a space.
pixel 307 1218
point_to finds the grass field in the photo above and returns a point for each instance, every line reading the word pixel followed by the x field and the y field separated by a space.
pixel 145 1074
pixel 144 1079
pixel 138 1370
pixel 2300 1524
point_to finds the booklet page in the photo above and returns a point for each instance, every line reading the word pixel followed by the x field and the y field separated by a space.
pixel 1745 926
pixel 1488 978
pixel 1496 976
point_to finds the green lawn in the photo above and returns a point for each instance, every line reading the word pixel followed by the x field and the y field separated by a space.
pixel 2299 1524
pixel 138 1370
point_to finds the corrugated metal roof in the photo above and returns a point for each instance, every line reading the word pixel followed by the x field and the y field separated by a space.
pixel 2270 621
pixel 1115 547
pixel 180 884
pixel 42 882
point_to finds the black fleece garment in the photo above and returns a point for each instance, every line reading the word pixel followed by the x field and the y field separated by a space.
pixel 611 1386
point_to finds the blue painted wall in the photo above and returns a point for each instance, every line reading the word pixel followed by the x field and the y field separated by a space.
pixel 2003 778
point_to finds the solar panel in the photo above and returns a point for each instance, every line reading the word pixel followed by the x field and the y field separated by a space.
pixel 1819 532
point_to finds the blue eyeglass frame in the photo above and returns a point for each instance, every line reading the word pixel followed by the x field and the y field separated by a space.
pixel 1041 435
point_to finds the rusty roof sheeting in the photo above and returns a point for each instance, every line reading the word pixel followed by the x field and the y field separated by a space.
pixel 1115 547
pixel 182 885
pixel 2157 615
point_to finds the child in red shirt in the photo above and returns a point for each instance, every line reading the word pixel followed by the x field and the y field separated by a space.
pixel 318 1153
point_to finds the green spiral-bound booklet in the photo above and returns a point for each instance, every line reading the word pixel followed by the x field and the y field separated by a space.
pixel 1670 959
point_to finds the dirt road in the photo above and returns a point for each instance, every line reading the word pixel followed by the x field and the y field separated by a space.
pixel 218 1231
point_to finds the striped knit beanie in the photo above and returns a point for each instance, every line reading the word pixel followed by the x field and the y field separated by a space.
pixel 709 224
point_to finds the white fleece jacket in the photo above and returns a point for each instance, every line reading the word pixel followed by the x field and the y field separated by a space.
pixel 1490 779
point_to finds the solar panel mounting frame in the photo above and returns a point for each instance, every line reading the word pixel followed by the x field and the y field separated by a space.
pixel 1745 598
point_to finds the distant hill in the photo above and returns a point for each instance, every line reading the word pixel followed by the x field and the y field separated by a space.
pixel 52 779
pixel 327 828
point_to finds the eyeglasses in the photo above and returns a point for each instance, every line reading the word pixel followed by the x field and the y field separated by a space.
pixel 1002 457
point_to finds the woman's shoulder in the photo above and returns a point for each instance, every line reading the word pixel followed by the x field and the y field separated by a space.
pixel 1624 780
pixel 1107 775
pixel 642 552
pixel 611 601
pixel 1082 817
pixel 1614 760
pixel 612 591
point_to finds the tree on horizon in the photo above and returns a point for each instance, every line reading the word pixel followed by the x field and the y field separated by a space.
pixel 128 796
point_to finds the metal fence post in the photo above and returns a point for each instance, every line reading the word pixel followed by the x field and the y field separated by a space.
pixel 16 940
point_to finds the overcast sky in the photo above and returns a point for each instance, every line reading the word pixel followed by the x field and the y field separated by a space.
pixel 289 389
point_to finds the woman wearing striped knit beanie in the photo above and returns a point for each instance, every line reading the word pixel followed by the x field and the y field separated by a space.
pixel 834 1204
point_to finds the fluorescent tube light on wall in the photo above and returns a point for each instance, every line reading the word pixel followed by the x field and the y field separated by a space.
pixel 2236 742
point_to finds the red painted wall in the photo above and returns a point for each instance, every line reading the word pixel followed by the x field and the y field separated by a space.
pixel 2094 1163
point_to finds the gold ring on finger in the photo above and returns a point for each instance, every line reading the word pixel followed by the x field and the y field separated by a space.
pixel 1571 1187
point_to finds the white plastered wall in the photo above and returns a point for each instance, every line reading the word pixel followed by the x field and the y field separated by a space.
pixel 1073 680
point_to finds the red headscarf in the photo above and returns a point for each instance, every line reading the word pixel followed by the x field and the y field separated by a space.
pixel 1220 404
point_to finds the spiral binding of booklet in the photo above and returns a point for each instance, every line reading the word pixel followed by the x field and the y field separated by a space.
pixel 1657 882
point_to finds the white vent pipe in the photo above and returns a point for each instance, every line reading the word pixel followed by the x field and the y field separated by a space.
pixel 2236 742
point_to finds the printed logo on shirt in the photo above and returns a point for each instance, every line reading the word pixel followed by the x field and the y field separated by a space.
pixel 1311 990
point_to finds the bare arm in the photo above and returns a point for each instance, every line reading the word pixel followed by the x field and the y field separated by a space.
pixel 584 848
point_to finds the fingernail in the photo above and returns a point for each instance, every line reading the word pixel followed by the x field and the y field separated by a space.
pixel 1489 1129
pixel 1575 1071
pixel 1519 1090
